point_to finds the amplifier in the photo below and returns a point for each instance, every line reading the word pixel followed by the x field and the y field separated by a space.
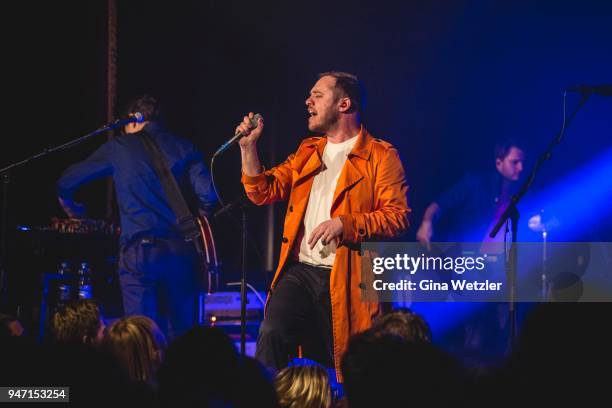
pixel 223 306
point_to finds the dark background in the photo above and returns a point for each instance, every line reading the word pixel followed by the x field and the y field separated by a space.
pixel 445 80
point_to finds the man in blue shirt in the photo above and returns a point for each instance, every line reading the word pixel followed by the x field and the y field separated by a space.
pixel 159 271
pixel 476 201
pixel 471 208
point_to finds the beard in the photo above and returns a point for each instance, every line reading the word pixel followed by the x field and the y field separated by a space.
pixel 323 122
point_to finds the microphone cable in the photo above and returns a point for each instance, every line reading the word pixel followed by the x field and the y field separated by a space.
pixel 237 223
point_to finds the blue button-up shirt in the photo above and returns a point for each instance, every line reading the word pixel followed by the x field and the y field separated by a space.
pixel 142 202
pixel 469 208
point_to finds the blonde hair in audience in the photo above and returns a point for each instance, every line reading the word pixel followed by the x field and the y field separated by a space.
pixel 138 344
pixel 305 386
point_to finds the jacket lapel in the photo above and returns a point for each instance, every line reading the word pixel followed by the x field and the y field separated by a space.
pixel 313 159
pixel 351 174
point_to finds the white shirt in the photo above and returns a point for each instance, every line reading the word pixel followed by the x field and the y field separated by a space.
pixel 320 202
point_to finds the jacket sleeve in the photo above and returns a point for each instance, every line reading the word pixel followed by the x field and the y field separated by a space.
pixel 390 217
pixel 96 166
pixel 271 185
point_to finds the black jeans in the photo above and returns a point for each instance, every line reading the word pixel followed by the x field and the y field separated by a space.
pixel 298 314
pixel 161 278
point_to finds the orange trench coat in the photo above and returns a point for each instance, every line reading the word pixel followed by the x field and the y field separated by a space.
pixel 370 199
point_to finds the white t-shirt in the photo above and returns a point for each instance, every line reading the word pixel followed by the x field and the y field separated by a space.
pixel 320 202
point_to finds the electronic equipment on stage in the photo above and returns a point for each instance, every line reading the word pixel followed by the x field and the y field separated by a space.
pixel 222 307
pixel 76 226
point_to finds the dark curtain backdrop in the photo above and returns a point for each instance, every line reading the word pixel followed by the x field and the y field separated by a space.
pixel 445 79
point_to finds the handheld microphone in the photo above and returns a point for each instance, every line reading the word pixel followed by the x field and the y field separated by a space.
pixel 603 90
pixel 238 135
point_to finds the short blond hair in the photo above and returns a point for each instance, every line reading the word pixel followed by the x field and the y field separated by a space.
pixel 138 344
pixel 303 386
pixel 350 86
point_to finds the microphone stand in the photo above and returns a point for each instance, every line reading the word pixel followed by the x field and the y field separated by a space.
pixel 240 202
pixel 511 214
pixel 243 284
pixel 5 174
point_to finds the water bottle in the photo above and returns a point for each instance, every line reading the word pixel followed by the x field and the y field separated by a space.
pixel 64 288
pixel 84 277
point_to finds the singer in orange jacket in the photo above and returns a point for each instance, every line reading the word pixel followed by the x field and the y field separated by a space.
pixel 369 199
